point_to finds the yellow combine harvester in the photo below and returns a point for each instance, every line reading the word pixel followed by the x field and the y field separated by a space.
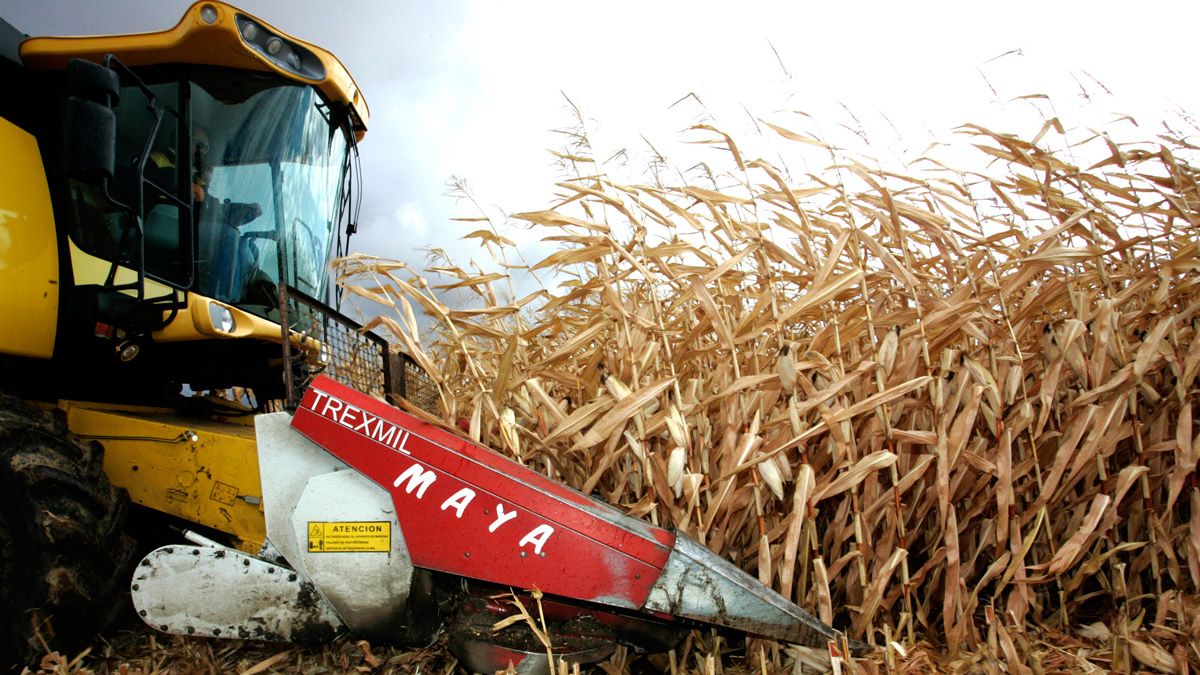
pixel 167 201
pixel 168 206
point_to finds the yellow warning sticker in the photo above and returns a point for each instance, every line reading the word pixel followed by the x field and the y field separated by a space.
pixel 350 537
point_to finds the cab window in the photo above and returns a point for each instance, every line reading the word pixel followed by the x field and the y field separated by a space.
pixel 151 179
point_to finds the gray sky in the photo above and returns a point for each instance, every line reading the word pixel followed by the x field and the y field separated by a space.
pixel 475 89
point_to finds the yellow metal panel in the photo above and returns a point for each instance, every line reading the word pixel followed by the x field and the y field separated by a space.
pixel 28 249
pixel 90 270
pixel 194 41
pixel 202 471
pixel 194 322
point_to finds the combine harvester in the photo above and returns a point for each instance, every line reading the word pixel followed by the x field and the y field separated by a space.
pixel 169 206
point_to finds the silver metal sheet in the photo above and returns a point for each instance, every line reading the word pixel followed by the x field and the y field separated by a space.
pixel 286 461
pixel 221 592
pixel 698 584
pixel 368 588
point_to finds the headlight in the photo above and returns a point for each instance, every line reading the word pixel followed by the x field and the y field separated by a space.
pixel 280 51
pixel 222 318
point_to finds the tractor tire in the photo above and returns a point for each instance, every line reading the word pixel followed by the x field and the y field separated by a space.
pixel 64 555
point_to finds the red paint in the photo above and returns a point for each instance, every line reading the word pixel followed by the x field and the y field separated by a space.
pixel 573 545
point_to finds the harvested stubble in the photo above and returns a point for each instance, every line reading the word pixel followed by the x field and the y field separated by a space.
pixel 947 407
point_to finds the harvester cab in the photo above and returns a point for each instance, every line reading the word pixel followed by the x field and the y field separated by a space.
pixel 171 202
pixel 207 177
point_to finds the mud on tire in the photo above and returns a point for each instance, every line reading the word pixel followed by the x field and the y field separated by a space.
pixel 64 555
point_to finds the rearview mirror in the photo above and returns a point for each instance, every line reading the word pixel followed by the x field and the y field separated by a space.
pixel 89 123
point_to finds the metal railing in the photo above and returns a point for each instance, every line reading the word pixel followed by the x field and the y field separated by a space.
pixel 347 353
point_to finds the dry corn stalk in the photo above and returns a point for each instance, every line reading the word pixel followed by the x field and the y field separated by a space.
pixel 981 382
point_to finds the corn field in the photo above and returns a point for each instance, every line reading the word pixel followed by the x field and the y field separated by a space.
pixel 949 412
pixel 935 407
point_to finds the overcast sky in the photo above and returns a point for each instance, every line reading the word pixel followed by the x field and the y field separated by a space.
pixel 475 90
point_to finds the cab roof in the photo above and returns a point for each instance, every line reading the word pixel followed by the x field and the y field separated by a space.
pixel 210 33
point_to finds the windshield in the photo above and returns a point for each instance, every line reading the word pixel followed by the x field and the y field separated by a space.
pixel 267 166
